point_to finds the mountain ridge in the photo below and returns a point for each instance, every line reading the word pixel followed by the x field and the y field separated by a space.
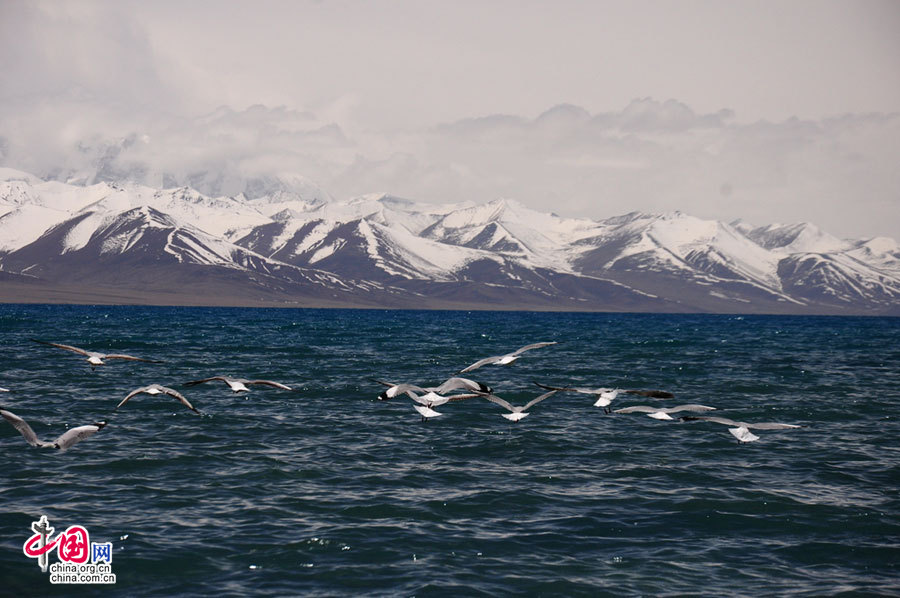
pixel 295 245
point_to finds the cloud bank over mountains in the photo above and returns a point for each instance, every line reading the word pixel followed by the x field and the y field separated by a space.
pixel 651 155
pixel 444 103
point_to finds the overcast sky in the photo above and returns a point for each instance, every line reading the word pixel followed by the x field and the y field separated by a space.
pixel 770 111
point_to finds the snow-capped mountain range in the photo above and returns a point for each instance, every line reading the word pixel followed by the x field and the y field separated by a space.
pixel 295 245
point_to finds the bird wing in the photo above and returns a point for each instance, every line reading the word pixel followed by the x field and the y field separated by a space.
pixel 66 347
pixel 457 383
pixel 181 398
pixel 690 407
pixel 481 362
pixel 136 391
pixel 548 387
pixel 715 419
pixel 537 400
pixel 269 383
pixel 532 346
pixel 593 391
pixel 76 435
pixel 771 426
pixel 129 357
pixel 638 409
pixel 653 394
pixel 502 402
pixel 418 399
pixel 24 429
pixel 195 382
pixel 463 397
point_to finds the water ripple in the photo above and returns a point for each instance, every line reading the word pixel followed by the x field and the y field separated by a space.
pixel 328 492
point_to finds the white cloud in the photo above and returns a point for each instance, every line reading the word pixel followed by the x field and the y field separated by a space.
pixel 171 93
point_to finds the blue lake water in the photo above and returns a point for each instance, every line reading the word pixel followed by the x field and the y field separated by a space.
pixel 327 491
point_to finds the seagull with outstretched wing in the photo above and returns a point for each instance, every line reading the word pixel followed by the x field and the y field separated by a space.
pixel 505 359
pixel 240 384
pixel 65 441
pixel 96 358
pixel 517 413
pixel 157 389
pixel 741 430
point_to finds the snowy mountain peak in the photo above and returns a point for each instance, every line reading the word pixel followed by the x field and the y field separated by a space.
pixel 880 246
pixel 742 225
pixel 793 238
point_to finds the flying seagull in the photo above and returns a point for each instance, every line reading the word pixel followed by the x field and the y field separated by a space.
pixel 93 357
pixel 3 389
pixel 69 438
pixel 741 430
pixel 517 413
pixel 448 385
pixel 605 396
pixel 505 359
pixel 429 400
pixel 156 389
pixel 658 413
pixel 239 384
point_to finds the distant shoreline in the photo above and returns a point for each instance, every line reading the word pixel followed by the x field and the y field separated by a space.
pixel 39 292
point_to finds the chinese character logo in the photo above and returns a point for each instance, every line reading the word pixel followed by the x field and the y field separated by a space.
pixel 72 545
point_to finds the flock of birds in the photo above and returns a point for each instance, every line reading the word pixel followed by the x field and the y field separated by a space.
pixel 96 359
pixel 425 399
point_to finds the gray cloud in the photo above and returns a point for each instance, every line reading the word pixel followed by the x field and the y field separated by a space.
pixel 654 156
pixel 164 93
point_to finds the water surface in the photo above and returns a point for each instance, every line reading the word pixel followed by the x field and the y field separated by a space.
pixel 327 491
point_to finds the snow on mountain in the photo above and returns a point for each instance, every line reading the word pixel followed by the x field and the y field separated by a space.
pixel 27 210
pixel 802 237
pixel 499 251
pixel 837 278
pixel 11 174
pixel 677 242
pixel 506 227
pixel 881 253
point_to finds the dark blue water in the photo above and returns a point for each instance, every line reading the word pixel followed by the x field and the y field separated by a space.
pixel 329 492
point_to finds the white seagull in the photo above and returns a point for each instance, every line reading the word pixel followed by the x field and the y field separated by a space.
pixel 62 443
pixel 95 358
pixel 3 389
pixel 239 384
pixel 517 413
pixel 605 396
pixel 156 389
pixel 429 400
pixel 741 430
pixel 447 386
pixel 658 413
pixel 505 359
